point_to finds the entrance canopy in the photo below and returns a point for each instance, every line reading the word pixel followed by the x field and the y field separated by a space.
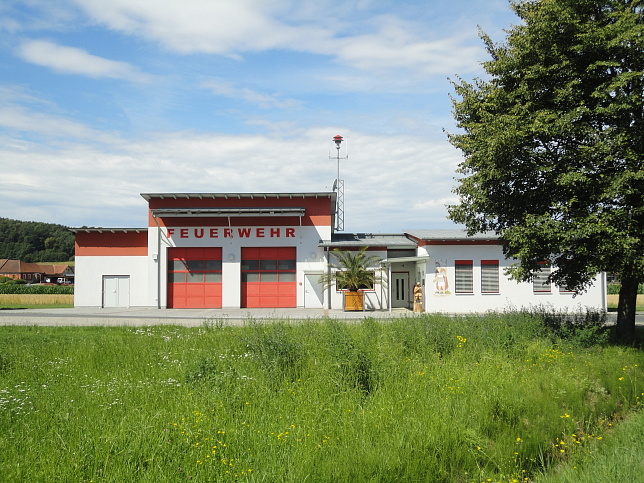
pixel 389 261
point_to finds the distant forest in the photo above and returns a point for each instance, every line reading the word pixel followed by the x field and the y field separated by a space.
pixel 32 241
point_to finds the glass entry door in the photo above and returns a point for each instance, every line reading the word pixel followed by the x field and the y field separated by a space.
pixel 400 289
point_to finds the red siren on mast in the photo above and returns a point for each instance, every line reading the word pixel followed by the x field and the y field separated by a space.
pixel 338 187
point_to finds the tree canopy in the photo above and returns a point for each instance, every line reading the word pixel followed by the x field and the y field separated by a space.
pixel 32 241
pixel 553 142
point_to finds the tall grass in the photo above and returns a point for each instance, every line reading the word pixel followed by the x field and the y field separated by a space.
pixel 618 457
pixel 612 301
pixel 498 397
pixel 35 300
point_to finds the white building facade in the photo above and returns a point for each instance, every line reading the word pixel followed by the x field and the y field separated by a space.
pixel 269 250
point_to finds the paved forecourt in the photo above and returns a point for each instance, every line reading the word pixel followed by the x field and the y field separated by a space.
pixel 142 316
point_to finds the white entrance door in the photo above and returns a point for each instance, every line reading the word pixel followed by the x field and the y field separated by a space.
pixel 116 291
pixel 400 289
pixel 313 294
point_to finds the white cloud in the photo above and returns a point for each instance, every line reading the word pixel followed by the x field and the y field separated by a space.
pixel 59 169
pixel 219 27
pixel 394 47
pixel 264 101
pixel 382 44
pixel 71 60
pixel 390 184
pixel 25 120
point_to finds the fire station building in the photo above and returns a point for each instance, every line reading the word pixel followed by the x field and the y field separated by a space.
pixel 251 250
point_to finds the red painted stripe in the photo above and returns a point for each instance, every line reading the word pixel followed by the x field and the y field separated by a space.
pixel 108 244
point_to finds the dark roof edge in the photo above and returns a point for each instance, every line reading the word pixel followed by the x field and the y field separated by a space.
pixel 321 194
pixel 103 229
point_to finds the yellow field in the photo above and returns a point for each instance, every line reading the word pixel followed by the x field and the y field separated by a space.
pixel 613 299
pixel 36 299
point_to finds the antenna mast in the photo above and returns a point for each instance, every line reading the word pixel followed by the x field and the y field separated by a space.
pixel 338 187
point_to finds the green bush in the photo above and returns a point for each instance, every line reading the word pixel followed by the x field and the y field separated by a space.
pixel 276 350
pixel 19 289
pixel 12 281
pixel 613 289
pixel 583 328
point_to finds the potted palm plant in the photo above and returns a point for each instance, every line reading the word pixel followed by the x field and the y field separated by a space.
pixel 351 273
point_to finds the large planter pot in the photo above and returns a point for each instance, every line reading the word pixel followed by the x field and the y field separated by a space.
pixel 353 301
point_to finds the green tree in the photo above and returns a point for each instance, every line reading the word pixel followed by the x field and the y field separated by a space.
pixel 553 141
pixel 31 241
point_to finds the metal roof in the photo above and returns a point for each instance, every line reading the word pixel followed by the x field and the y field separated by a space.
pixel 110 230
pixel 450 235
pixel 223 212
pixel 201 196
pixel 389 240
pixel 389 261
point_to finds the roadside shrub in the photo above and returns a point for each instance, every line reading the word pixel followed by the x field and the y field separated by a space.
pixel 584 328
pixel 351 356
pixel 5 364
pixel 276 350
pixel 16 289
pixel 12 281
pixel 613 289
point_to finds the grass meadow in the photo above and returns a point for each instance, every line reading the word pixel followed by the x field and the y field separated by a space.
pixel 489 398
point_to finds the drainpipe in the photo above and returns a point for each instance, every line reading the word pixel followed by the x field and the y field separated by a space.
pixel 328 271
pixel 389 287
pixel 158 261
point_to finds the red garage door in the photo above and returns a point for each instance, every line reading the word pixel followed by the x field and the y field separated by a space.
pixel 194 278
pixel 268 277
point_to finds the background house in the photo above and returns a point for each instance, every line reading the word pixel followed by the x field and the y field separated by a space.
pixel 36 272
pixel 57 273
pixel 17 269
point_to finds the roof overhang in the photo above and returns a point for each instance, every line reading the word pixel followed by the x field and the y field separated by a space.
pixel 236 196
pixel 225 212
pixel 389 261
pixel 108 230
pixel 375 240
pixel 452 237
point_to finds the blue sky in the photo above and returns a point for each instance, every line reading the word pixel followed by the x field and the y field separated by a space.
pixel 103 100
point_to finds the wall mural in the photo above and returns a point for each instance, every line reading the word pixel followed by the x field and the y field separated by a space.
pixel 441 285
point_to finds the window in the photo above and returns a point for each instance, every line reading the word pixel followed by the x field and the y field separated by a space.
pixel 489 276
pixel 541 283
pixel 463 272
pixel 194 271
pixel 268 270
pixel 563 289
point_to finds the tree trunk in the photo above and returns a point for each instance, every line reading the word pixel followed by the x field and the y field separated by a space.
pixel 626 308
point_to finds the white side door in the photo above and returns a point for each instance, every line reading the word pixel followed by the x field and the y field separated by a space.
pixel 313 293
pixel 116 291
